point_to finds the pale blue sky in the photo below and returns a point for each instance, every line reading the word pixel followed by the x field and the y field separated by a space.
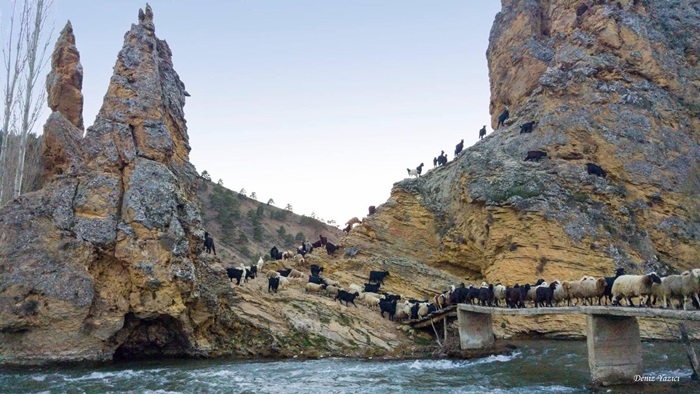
pixel 320 104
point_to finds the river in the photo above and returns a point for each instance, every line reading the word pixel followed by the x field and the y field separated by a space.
pixel 536 366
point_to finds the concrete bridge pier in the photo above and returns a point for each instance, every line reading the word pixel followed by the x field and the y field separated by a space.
pixel 475 330
pixel 614 348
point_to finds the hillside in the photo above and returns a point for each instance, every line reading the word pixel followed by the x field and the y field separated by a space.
pixel 245 229
pixel 614 83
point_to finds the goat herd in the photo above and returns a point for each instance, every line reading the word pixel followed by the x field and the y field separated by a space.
pixel 533 155
pixel 649 288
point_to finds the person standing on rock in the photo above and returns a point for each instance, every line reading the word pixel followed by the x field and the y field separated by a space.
pixel 209 243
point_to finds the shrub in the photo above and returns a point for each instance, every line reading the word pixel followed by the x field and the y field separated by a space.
pixel 282 232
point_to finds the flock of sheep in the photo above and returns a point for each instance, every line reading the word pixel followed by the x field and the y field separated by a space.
pixel 649 288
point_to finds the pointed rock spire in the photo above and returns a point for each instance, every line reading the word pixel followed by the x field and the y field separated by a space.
pixel 65 81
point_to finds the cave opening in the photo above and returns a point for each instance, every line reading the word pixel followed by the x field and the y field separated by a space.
pixel 160 337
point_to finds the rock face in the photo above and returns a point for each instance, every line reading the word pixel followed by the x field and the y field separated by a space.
pixel 614 83
pixel 105 260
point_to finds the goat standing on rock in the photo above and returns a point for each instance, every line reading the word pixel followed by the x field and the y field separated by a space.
pixel 527 127
pixel 482 132
pixel 442 159
pixel 459 147
pixel 416 172
pixel 503 117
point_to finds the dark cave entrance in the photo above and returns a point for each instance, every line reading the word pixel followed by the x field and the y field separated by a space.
pixel 141 339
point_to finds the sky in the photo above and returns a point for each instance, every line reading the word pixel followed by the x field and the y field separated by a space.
pixel 319 104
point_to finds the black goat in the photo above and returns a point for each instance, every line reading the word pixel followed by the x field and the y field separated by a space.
pixel 609 284
pixel 347 297
pixel 317 279
pixel 234 273
pixel 596 170
pixel 486 296
pixel 370 288
pixel 275 254
pixel 482 132
pixel 209 243
pixel 459 147
pixel 544 295
pixel 372 210
pixel 330 248
pixel 284 273
pixel 473 295
pixel 414 311
pixel 273 284
pixel 442 159
pixel 316 270
pixel 388 306
pixel 323 239
pixel 378 276
pixel 526 127
pixel 503 117
pixel 251 273
pixel 535 155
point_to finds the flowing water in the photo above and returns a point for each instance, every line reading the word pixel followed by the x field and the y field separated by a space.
pixel 535 367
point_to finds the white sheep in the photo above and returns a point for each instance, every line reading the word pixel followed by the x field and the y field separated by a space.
pixel 313 287
pixel 332 291
pixel 299 259
pixel 592 288
pixel 260 264
pixel 287 255
pixel 295 274
pixel 371 301
pixel 423 309
pixel 331 282
pixel 684 285
pixel 577 289
pixel 691 286
pixel 499 293
pixel 400 313
pixel 364 295
pixel 561 292
pixel 629 286
pixel 356 288
pixel 284 282
pixel 272 274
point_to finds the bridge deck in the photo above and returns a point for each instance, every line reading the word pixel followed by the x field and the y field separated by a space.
pixel 653 313
pixel 435 316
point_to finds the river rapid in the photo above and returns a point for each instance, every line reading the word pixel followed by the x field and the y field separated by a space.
pixel 534 367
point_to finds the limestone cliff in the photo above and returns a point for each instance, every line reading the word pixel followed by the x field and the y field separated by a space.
pixel 107 252
pixel 106 262
pixel 615 83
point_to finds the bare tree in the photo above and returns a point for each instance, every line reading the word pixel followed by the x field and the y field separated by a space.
pixel 24 57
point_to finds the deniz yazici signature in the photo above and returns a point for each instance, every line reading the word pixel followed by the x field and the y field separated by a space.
pixel 656 378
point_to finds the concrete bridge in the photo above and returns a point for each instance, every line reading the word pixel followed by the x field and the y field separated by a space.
pixel 614 344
